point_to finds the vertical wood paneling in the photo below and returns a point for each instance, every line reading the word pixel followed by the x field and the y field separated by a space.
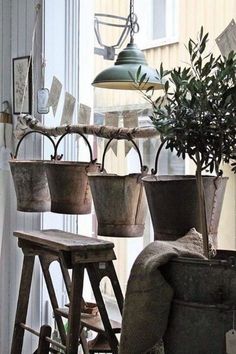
pixel 5 62
pixel 5 94
pixel 16 24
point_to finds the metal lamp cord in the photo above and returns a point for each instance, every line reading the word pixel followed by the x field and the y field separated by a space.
pixel 134 26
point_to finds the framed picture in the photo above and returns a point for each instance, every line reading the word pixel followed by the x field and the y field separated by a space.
pixel 22 85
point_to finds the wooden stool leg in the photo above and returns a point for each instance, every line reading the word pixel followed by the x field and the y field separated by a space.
pixel 67 281
pixel 94 277
pixel 22 304
pixel 48 280
pixel 43 347
pixel 115 285
pixel 66 277
pixel 75 309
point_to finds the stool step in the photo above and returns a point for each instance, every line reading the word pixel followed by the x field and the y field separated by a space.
pixel 91 322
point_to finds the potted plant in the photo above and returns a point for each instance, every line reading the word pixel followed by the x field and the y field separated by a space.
pixel 196 117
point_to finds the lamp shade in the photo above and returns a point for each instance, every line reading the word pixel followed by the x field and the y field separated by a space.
pixel 128 61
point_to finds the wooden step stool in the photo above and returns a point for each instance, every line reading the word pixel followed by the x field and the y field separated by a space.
pixel 77 253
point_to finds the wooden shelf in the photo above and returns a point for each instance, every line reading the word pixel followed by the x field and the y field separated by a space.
pixel 91 322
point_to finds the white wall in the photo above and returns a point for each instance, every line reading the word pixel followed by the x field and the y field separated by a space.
pixel 16 27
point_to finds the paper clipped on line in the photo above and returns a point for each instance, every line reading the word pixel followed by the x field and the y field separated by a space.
pixel 84 114
pixel 54 94
pixel 226 41
pixel 68 109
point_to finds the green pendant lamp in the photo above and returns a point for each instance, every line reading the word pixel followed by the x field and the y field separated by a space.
pixel 128 62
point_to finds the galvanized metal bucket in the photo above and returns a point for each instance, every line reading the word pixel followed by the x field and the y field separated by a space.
pixel 204 304
pixel 119 202
pixel 31 185
pixel 173 204
pixel 30 181
pixel 68 183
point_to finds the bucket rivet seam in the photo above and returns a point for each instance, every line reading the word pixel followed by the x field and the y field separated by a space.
pixel 213 209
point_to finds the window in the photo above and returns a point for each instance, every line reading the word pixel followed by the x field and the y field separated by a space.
pixel 157 20
pixel 159 25
pixel 65 66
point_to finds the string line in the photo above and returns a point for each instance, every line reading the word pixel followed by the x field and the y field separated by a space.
pixel 38 6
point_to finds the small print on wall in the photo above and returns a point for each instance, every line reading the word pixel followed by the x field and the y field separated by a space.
pixel 22 89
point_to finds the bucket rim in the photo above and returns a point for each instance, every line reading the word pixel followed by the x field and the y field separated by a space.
pixel 14 161
pixel 226 261
pixel 177 178
pixel 69 163
pixel 114 175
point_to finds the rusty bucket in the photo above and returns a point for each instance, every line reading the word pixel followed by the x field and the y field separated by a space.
pixel 173 204
pixel 203 308
pixel 30 182
pixel 68 184
pixel 119 202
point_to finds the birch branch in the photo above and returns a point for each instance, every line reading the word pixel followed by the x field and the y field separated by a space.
pixel 26 123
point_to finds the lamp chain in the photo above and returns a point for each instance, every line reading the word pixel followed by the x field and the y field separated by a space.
pixel 134 27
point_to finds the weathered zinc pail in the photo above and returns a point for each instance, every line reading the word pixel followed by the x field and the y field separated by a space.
pixel 69 187
pixel 119 203
pixel 173 204
pixel 31 185
pixel 68 183
pixel 30 181
pixel 202 311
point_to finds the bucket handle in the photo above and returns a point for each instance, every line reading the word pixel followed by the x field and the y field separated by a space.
pixel 85 139
pixel 31 132
pixel 154 170
pixel 142 167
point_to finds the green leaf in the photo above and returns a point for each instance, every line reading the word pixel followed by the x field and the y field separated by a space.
pixel 201 33
pixel 143 77
pixel 166 86
pixel 138 73
pixel 150 88
pixel 190 47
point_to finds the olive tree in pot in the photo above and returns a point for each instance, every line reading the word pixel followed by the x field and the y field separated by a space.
pixel 196 117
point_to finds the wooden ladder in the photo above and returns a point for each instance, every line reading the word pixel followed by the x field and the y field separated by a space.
pixel 78 253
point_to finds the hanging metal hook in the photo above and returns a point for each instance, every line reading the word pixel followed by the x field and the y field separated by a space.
pixel 129 25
